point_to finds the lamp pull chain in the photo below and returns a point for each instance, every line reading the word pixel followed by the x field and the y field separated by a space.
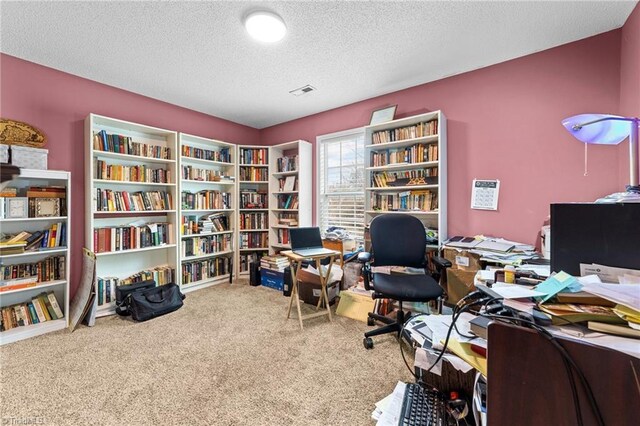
pixel 586 171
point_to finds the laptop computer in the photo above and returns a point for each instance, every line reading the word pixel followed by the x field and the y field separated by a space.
pixel 307 242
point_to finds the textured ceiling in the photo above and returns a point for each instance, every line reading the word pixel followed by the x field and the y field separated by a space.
pixel 197 54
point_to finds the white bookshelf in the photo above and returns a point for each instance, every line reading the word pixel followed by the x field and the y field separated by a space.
pixel 301 193
pixel 206 165
pixel 434 216
pixel 124 263
pixel 60 287
pixel 253 176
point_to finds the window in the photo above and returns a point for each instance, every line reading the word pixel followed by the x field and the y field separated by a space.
pixel 341 181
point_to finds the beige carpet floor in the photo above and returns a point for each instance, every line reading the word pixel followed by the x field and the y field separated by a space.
pixel 228 357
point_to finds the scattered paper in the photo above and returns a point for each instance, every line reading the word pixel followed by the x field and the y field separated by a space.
pixel 623 294
pixel 391 415
pixel 425 359
pixel 555 284
pixel 458 363
pixel 608 274
pixel 629 279
pixel 514 291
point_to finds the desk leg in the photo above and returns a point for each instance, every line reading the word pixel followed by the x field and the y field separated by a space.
pixel 323 284
pixel 294 292
pixel 294 275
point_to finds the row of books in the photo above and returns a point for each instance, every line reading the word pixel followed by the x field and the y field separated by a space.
pixel 206 245
pixel 108 200
pixel 385 179
pixel 288 202
pixel 222 155
pixel 106 291
pixel 205 175
pixel 119 238
pixel 287 164
pixel 288 219
pixel 206 199
pixel 203 269
pixel 288 183
pixel 254 156
pixel 408 132
pixel 43 308
pixel 49 269
pixel 408 200
pixel 283 236
pixel 254 174
pixel 121 173
pixel 418 153
pixel 125 145
pixel 193 225
pixel 250 199
pixel 254 221
pixel 247 258
pixel 274 262
pixel 253 240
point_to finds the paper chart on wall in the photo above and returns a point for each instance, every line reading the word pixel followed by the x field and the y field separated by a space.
pixel 484 194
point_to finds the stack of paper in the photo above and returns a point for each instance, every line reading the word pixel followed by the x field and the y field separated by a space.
pixel 388 410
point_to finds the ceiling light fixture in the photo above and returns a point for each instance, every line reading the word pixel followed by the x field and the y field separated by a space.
pixel 265 26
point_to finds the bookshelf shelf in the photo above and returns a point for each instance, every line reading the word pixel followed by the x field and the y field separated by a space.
pixel 221 163
pixel 162 145
pixel 56 260
pixel 290 184
pixel 255 182
pixel 39 286
pixel 253 230
pixel 119 252
pixel 255 249
pixel 420 152
pixel 124 182
pixel 253 210
pixel 254 165
pixel 132 158
pixel 35 253
pixel 35 219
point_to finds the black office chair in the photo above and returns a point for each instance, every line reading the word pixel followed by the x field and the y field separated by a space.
pixel 398 240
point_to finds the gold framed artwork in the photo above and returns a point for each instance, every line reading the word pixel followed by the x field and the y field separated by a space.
pixel 47 207
pixel 13 132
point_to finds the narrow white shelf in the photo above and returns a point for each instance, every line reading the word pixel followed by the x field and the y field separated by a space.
pixel 404 166
pixel 119 252
pixel 208 234
pixel 204 256
pixel 126 182
pixel 253 230
pixel 284 192
pixel 206 162
pixel 133 212
pixel 414 212
pixel 127 157
pixel 24 332
pixel 253 210
pixel 35 253
pixel 403 143
pixel 255 181
pixel 39 286
pixel 400 188
pixel 254 165
pixel 35 219
pixel 185 211
pixel 289 173
pixel 204 283
pixel 285 210
pixel 254 249
pixel 283 226
pixel 209 182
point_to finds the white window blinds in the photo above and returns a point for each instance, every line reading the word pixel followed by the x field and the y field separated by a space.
pixel 341 182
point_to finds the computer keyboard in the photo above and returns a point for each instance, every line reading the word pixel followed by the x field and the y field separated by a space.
pixel 423 407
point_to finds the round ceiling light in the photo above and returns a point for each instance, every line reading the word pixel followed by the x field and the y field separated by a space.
pixel 265 26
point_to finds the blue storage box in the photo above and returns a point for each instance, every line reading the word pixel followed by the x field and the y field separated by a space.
pixel 272 279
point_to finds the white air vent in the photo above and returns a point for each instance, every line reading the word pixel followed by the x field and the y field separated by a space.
pixel 303 90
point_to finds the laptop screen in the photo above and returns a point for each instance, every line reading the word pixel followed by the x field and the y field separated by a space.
pixel 304 238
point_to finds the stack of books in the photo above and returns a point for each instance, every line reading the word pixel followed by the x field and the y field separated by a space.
pixel 274 263
pixel 42 308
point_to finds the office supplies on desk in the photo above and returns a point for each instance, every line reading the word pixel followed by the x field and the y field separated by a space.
pixel 308 242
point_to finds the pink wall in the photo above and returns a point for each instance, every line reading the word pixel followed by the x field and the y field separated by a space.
pixel 57 103
pixel 504 123
pixel 629 81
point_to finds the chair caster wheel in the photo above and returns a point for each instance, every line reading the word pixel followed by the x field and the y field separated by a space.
pixel 371 322
pixel 368 343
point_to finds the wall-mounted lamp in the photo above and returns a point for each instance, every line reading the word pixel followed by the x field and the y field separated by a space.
pixel 605 129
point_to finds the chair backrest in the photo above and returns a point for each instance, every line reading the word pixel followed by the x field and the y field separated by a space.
pixel 398 240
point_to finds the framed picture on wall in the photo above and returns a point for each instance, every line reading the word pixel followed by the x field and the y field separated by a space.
pixel 383 115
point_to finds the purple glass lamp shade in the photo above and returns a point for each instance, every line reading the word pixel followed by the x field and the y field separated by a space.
pixel 601 129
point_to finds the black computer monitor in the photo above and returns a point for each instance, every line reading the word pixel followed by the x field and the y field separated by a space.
pixel 607 234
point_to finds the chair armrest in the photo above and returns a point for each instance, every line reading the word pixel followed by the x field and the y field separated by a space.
pixel 364 257
pixel 441 262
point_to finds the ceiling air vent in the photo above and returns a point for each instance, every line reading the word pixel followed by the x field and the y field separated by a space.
pixel 303 90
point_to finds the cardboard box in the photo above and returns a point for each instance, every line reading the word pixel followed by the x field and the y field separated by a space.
pixel 459 284
pixel 309 287
pixel 462 259
pixel 272 279
pixel 355 305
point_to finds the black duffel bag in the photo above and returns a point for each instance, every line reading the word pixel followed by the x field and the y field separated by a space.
pixel 144 303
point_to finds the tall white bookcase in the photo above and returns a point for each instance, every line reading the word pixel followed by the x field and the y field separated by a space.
pixel 32 224
pixel 148 155
pixel 290 191
pixel 207 167
pixel 253 218
pixel 412 147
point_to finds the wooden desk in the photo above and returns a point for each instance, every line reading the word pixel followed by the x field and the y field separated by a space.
pixel 296 264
